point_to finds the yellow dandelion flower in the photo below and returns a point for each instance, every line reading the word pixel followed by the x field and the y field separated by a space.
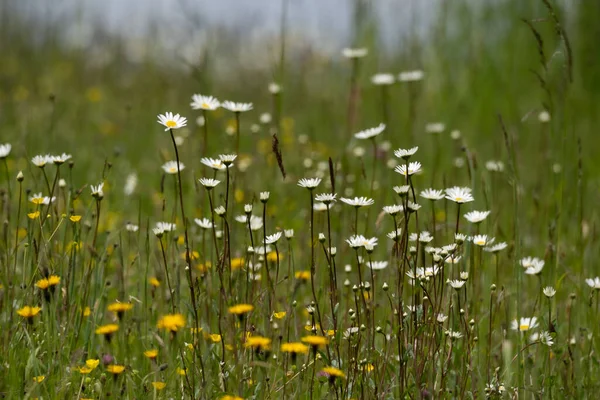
pixel 258 342
pixel 92 363
pixel 119 308
pixel 315 341
pixel 154 282
pixel 42 284
pixel 330 332
pixel 171 322
pixel 302 275
pixel 237 263
pixel 28 311
pixel 196 330
pixel 39 378
pixel 159 385
pixel 215 337
pixel 294 347
pixel 115 369
pixel 280 314
pixel 107 329
pixel 75 218
pixel 272 256
pixel 182 371
pixel 33 215
pixel 53 280
pixel 333 372
pixel 151 354
pixel 240 309
pixel 86 312
pixel 230 397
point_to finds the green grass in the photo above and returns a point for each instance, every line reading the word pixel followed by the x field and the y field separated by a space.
pixel 487 75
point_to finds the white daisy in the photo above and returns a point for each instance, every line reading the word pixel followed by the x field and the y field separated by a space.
pixel 61 159
pixel 395 235
pixel 289 233
pixel 456 284
pixel 5 150
pixel 413 168
pixel 41 160
pixel 355 53
pixel 274 88
pixel 406 153
pixel 524 324
pixel 209 183
pixel 264 196
pixel 131 227
pixel 227 159
pixel 402 190
pixel 496 248
pixel 97 190
pixel 309 183
pixel 217 165
pixel 480 240
pixel 171 167
pixel 220 211
pixel 358 201
pixel 371 132
pixel 236 107
pixel 411 76
pixel 435 127
pixel 377 265
pixel 200 102
pixel 326 198
pixel 432 194
pixel 549 291
pixel 476 217
pixel 382 79
pixel 358 241
pixel 270 239
pixel 171 121
pixel 459 195
pixel 204 223
pixel 130 184
pixel 494 166
pixel 393 210
pixel 594 283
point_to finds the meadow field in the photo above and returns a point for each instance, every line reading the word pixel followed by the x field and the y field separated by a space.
pixel 408 222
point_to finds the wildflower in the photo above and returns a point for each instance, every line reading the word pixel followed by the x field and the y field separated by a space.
pixel 402 190
pixel 326 198
pixel 120 308
pixel 377 265
pixel 405 154
pixel 382 79
pixel 476 217
pixel 39 378
pixel 453 259
pixel 264 196
pixel 151 354
pixel 441 318
pixel 393 210
pixel 209 183
pixel 273 238
pixel 371 132
pixel 227 159
pixel 92 363
pixel 454 335
pixel 302 275
pixel 58 160
pixel 215 337
pixel 432 194
pixel 412 207
pixel 480 240
pixel 310 183
pixel 535 268
pixel 240 309
pixel 97 191
pixel 321 206
pixel 289 233
pixel 75 218
pixel 5 150
pixel 355 53
pixel 208 103
pixel 543 337
pixel 171 322
pixel 544 116
pixel 204 223
pixel 459 195
pixel 159 385
pixel 115 369
pixel 413 168
pixel 395 235
pixel 435 127
pixel 162 227
pixel 456 284
pixel 258 342
pixel 107 330
pixel 41 161
pixel 464 275
pixel 524 324
pixel 230 397
pixel 236 107
pixel 494 166
pixel 594 283
pixel 315 341
pixel 549 291
pixel 171 121
pixel 29 312
pixel 496 248
pixel 358 201
pixel 333 373
pixel 411 76
pixel 280 314
pixel 154 282
pixel 220 211
pixel 39 199
pixel 129 227
pixel 172 167
pixel 274 88
pixel 358 241
pixel 294 348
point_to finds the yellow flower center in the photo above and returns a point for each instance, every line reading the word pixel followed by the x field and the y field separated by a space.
pixel 205 105
pixel 458 199
pixel 524 327
pixel 171 124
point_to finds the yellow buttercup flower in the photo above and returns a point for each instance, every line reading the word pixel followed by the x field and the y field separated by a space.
pixel 159 385
pixel 154 282
pixel 215 337
pixel 181 371
pixel 230 397
pixel 237 263
pixel 33 215
pixel 115 369
pixel 92 363
pixel 39 378
pixel 280 314
pixel 75 218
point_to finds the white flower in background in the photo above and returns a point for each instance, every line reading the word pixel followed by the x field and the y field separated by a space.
pixel 395 235
pixel 270 239
pixel 413 207
pixel 326 198
pixel 130 184
pixel 452 259
pixel 402 190
pixel 61 159
pixel 38 199
pixel 97 190
pixel 377 265
pixel 432 194
pixel 355 53
pixel 382 79
pixel 456 284
pixel 220 211
pixel 371 132
pixel 544 116
pixel 441 318
pixel 217 165
pixel 459 195
pixel 454 335
pixel 455 134
pixel 264 196
pixel 209 183
pixel 524 324
pixel 265 118
pixel 204 223
pixel 227 159
pixel 494 166
pixel 131 227
pixel 481 240
pixel 594 283
pixel 435 127
pixel 413 168
pixel 208 103
pixel 358 241
pixel 256 223
pixel 41 160
pixel 236 107
pixel 543 337
pixel 464 275
pixel 289 233
pixel 170 167
pixel 527 262
pixel 496 248
pixel 358 201
pixel 309 183
pixel 171 121
pixel 166 226
pixel 274 88
pixel 476 217
pixel 406 153
pixel 549 291
pixel 411 76
pixel 5 150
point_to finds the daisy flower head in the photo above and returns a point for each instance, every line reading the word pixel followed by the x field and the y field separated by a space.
pixel 41 160
pixel 395 235
pixel 405 154
pixel 543 337
pixel 402 190
pixel 377 265
pixel 494 166
pixel 216 165
pixel 172 167
pixel 227 159
pixel 355 53
pixel 435 127
pixel 454 335
pixel 432 194
pixel 61 159
pixel 97 191
pixel 204 223
pixel 456 284
pixel 309 183
pixel 289 233
pixel 264 196
pixel 549 291
pixel 496 247
pixel 459 195
pixel 208 103
pixel 236 107
pixel 411 76
pixel 358 201
pixel 170 121
pixel 358 241
pixel 476 217
pixel 38 199
pixel 480 240
pixel 594 283
pixel 273 238
pixel 165 226
pixel 393 210
pixel 326 198
pixel 371 132
pixel 413 168
pixel 5 150
pixel 209 183
pixel 524 324
pixel 383 79
pixel 220 211
pixel 412 207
